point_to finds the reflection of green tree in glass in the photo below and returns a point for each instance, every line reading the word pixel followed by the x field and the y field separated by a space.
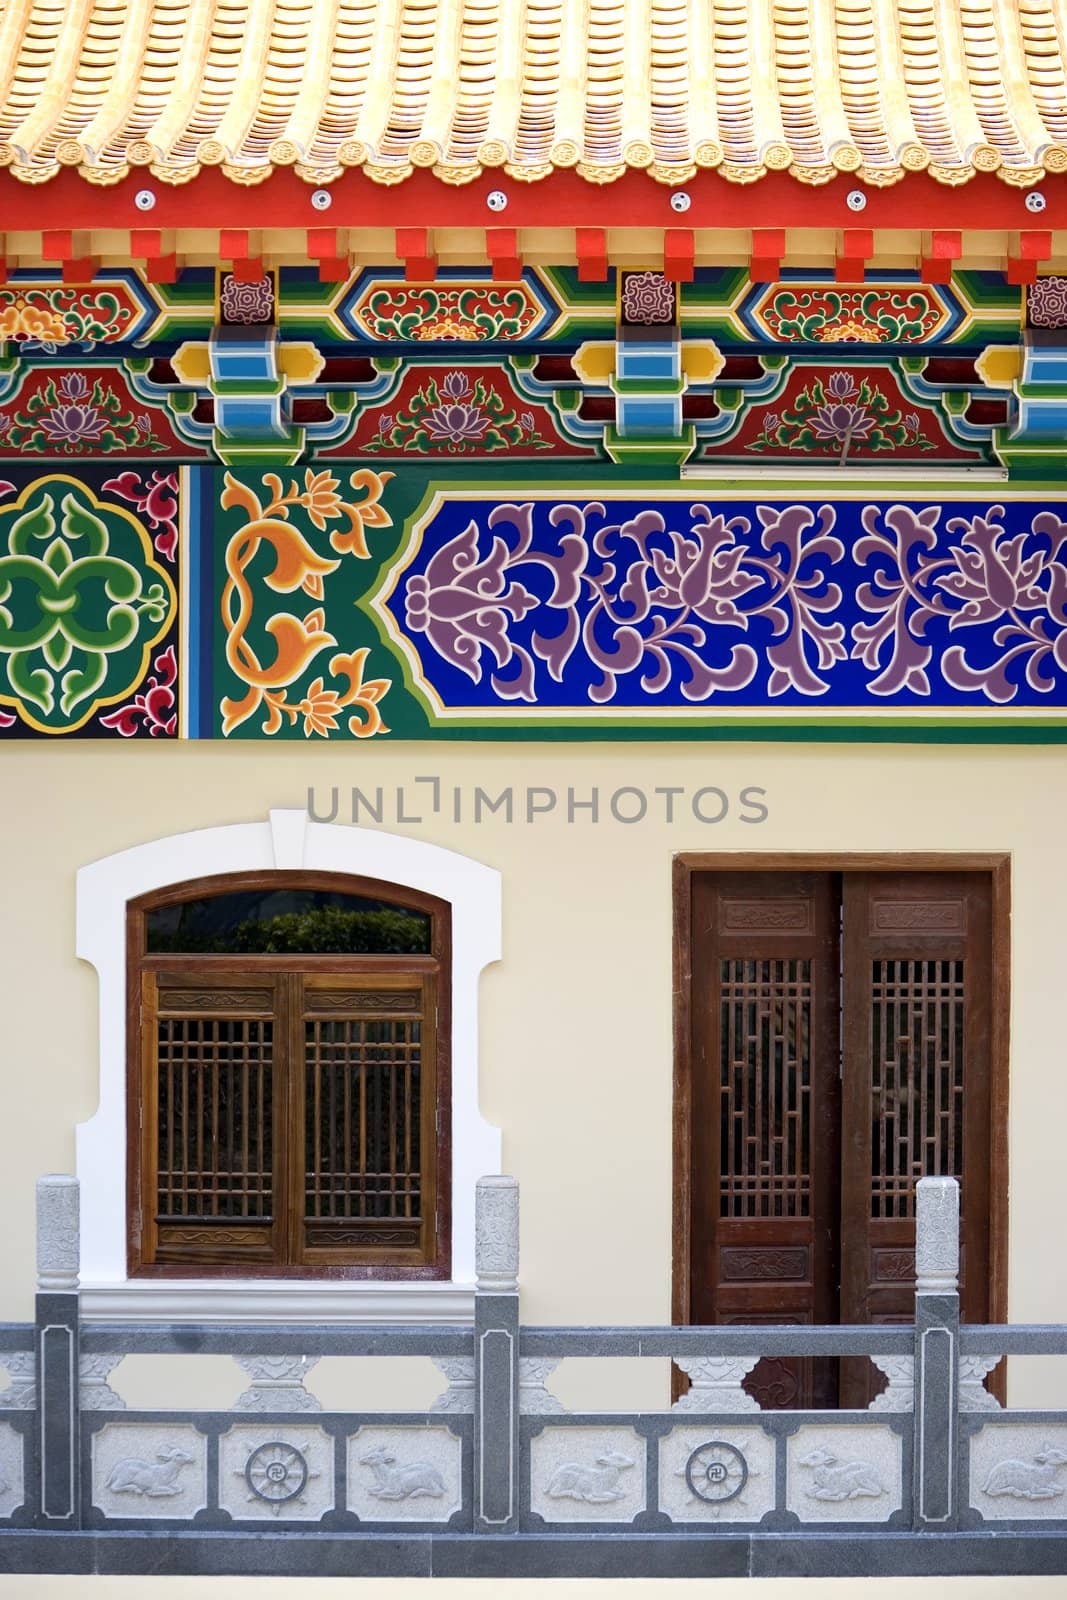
pixel 323 930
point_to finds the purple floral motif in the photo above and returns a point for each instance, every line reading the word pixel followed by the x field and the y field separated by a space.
pixel 385 424
pixel 635 596
pixel 841 386
pixel 455 424
pixel 455 386
pixel 72 421
pixel 842 423
pixel 527 422
pixel 246 303
pixel 143 423
pixel 647 298
pixel 988 577
pixel 1046 302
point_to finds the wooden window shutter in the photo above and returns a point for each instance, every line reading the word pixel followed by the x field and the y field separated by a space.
pixel 210 1107
pixel 364 1110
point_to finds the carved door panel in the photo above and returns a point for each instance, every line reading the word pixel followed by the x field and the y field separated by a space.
pixel 765 1113
pixel 840 1051
pixel 917 986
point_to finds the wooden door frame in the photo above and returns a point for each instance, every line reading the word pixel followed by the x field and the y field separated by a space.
pixel 686 865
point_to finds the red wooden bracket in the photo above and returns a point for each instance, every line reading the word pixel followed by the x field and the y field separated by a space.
pixel 502 248
pixel 1035 246
pixel 768 249
pixel 857 248
pixel 935 271
pixel 946 244
pixel 233 244
pixel 1018 271
pixel 248 269
pixel 57 244
pixel 156 250
pixel 415 251
pixel 84 270
pixel 679 254
pixel 324 246
pixel 591 245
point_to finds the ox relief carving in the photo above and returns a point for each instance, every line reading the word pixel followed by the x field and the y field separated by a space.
pixel 156 1470
pixel 404 1473
pixel 850 1473
pixel 587 1473
pixel 1019 1472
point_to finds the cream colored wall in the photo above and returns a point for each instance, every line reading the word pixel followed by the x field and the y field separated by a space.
pixel 577 1018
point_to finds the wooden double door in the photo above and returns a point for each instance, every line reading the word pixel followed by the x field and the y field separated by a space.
pixel 841 1027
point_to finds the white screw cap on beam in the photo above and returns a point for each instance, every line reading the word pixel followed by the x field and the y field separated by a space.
pixel 937 1236
pixel 58 1233
pixel 496 1234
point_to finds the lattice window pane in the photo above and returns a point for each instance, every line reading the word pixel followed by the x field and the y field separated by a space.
pixel 363 1093
pixel 917 1071
pixel 215 1145
pixel 765 1082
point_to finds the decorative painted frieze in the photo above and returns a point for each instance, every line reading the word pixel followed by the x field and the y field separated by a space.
pixel 364 603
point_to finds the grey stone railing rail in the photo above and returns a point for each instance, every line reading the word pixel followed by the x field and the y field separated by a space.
pixel 759 1341
pixel 498 1460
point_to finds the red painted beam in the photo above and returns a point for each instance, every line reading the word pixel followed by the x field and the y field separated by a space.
pixel 211 200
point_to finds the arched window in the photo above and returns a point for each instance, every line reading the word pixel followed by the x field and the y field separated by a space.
pixel 289 1077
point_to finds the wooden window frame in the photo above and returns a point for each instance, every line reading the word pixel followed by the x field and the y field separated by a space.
pixel 686 866
pixel 436 971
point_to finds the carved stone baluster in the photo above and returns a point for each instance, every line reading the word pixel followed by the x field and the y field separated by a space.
pixel 974 1396
pixel 21 1392
pixel 534 1399
pixel 899 1394
pixel 459 1396
pixel 715 1383
pixel 96 1393
pixel 277 1384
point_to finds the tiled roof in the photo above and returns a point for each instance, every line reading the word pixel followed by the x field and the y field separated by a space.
pixel 878 88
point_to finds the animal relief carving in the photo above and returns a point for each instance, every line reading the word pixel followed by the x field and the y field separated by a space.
pixel 597 1484
pixel 833 1479
pixel 393 1481
pixel 132 1475
pixel 1027 1480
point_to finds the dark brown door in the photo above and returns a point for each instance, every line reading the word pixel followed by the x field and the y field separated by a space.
pixel 841 1027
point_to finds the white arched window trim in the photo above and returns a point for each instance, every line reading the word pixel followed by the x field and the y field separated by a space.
pixel 289 840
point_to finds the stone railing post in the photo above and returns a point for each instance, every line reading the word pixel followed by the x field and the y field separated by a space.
pixel 58 1415
pixel 496 1356
pixel 937 1337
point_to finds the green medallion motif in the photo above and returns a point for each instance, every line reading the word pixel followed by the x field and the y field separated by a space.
pixel 82 602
